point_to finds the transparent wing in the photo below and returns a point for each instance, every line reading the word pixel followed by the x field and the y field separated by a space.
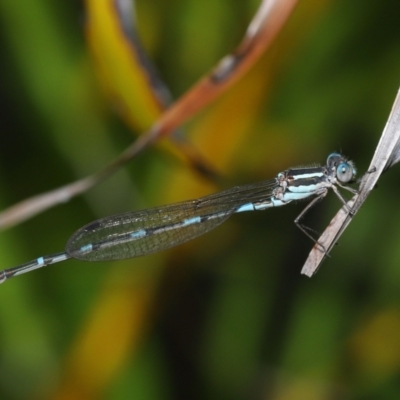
pixel 143 232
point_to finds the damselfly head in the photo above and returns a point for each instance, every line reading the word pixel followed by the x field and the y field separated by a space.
pixel 345 172
pixel 345 169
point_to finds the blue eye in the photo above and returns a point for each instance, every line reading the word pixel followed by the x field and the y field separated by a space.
pixel 333 158
pixel 345 172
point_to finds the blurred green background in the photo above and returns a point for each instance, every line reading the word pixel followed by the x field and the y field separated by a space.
pixel 226 316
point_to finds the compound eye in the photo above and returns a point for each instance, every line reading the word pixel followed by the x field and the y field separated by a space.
pixel 344 172
pixel 333 158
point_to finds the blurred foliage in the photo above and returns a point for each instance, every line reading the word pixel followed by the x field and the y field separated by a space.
pixel 226 316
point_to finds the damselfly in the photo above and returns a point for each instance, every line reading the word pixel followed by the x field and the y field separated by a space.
pixel 139 233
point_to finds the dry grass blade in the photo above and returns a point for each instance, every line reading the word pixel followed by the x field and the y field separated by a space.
pixel 383 155
pixel 264 27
